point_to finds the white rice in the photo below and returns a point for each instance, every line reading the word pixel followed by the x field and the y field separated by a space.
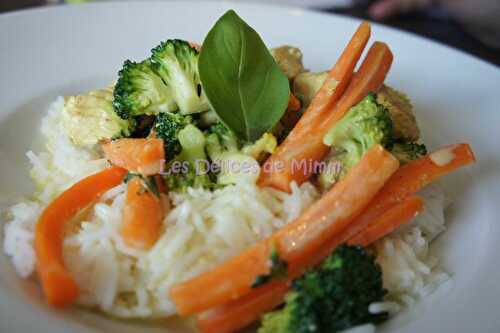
pixel 63 163
pixel 410 272
pixel 202 230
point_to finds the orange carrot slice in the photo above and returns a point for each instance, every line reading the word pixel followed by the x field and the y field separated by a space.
pixel 296 241
pixel 144 156
pixel 142 215
pixel 58 286
pixel 305 143
pixel 388 222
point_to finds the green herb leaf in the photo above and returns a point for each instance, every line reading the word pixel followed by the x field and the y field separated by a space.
pixel 243 83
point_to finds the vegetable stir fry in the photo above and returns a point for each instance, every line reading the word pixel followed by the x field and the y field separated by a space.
pixel 177 124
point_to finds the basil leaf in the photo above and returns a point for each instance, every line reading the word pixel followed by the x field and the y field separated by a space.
pixel 243 83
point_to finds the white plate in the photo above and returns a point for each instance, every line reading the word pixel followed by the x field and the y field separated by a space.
pixel 58 51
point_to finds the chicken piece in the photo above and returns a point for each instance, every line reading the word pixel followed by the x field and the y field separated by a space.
pixel 401 111
pixel 307 84
pixel 90 118
pixel 289 59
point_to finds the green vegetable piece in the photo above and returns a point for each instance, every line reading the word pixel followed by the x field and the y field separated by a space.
pixel 140 91
pixel 366 124
pixel 234 166
pixel 220 139
pixel 406 152
pixel 192 141
pixel 333 297
pixel 188 177
pixel 176 62
pixel 192 170
pixel 167 127
pixel 242 81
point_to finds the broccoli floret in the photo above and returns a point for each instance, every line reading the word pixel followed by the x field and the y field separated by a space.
pixel 140 91
pixel 406 152
pixel 167 127
pixel 192 161
pixel 90 118
pixel 282 321
pixel 237 164
pixel 333 297
pixel 177 64
pixel 366 124
pixel 221 139
pixel 192 142
pixel 187 177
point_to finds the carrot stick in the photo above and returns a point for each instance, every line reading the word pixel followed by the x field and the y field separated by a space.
pixel 411 178
pixel 291 160
pixel 144 156
pixel 240 313
pixel 399 189
pixel 59 287
pixel 296 241
pixel 406 181
pixel 142 215
pixel 321 105
pixel 388 222
pixel 417 174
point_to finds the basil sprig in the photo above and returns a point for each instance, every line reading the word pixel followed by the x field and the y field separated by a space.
pixel 243 83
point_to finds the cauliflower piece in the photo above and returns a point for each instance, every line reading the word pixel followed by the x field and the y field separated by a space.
pixel 401 111
pixel 289 59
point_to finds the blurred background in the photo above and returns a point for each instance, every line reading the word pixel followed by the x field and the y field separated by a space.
pixel 469 25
